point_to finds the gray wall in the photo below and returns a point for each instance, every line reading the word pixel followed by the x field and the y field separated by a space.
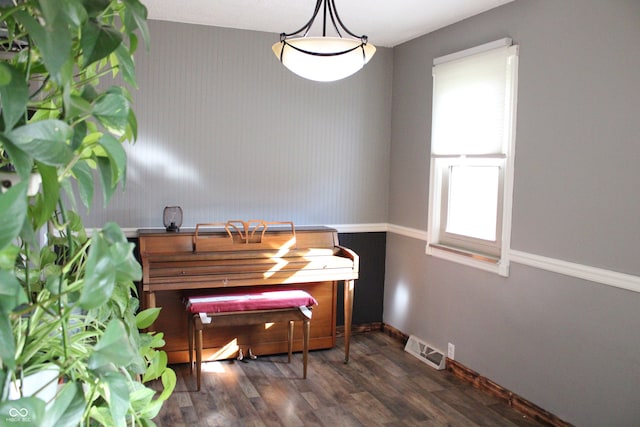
pixel 226 132
pixel 569 345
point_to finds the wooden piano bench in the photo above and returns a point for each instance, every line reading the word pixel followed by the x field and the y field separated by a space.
pixel 252 307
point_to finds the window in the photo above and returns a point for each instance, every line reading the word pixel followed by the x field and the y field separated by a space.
pixel 472 151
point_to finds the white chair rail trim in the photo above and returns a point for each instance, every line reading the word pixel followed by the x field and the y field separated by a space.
pixel 598 275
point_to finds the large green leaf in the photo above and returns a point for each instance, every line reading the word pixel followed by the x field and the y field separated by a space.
pixel 106 178
pixel 8 257
pixel 28 236
pixel 11 292
pixel 133 126
pixel 136 17
pixel 113 347
pixel 13 211
pixel 25 412
pixel 117 396
pixel 145 318
pixel 151 409
pixel 54 40
pixel 117 157
pixel 90 93
pixel 75 105
pixel 141 397
pixel 169 381
pixel 155 339
pixel 79 132
pixel 95 7
pixel 67 408
pixel 48 199
pixel 7 342
pixel 19 159
pixel 121 252
pixel 113 233
pixel 100 275
pixel 14 95
pixel 112 110
pixel 5 376
pixel 119 301
pixel 157 365
pixel 100 416
pixel 5 74
pixel 84 177
pixel 98 41
pixel 71 11
pixel 126 65
pixel 44 141
pixel 69 191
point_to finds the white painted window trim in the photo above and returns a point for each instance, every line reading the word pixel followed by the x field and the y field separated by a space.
pixel 501 265
pixel 506 41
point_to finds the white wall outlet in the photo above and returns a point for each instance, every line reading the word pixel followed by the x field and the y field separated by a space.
pixel 451 351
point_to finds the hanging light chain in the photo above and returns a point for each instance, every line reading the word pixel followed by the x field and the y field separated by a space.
pixel 330 8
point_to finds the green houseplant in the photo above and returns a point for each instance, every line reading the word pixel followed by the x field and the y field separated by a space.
pixel 68 301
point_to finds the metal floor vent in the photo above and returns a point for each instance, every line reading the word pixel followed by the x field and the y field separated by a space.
pixel 426 353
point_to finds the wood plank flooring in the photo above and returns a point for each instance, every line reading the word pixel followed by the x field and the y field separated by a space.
pixel 380 386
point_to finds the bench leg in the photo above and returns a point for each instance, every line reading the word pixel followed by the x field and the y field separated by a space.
pixel 195 332
pixel 190 339
pixel 290 339
pixel 306 325
pixel 198 357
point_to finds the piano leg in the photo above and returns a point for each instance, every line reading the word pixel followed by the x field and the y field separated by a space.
pixel 198 356
pixel 348 314
pixel 190 339
pixel 149 298
pixel 290 340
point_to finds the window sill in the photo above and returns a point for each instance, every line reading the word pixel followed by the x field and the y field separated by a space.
pixel 498 266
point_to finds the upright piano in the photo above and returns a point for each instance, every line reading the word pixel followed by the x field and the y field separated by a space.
pixel 245 255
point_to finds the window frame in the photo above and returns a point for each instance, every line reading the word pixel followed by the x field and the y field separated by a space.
pixel 467 250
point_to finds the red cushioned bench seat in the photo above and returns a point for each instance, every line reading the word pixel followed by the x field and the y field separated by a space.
pixel 248 308
pixel 267 300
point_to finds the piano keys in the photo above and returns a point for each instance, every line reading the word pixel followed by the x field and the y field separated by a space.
pixel 239 254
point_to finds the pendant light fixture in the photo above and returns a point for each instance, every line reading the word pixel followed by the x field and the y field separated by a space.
pixel 324 58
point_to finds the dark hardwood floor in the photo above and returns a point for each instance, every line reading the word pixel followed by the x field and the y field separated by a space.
pixel 380 386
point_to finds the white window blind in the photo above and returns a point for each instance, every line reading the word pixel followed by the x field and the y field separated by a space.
pixel 470 115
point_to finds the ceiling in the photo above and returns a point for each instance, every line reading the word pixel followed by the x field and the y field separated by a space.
pixel 386 22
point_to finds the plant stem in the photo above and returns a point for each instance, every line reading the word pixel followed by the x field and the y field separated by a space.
pixel 40 88
pixel 63 325
pixel 27 280
pixel 70 165
pixel 96 77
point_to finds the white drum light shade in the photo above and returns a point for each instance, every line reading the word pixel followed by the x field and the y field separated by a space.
pixel 323 59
